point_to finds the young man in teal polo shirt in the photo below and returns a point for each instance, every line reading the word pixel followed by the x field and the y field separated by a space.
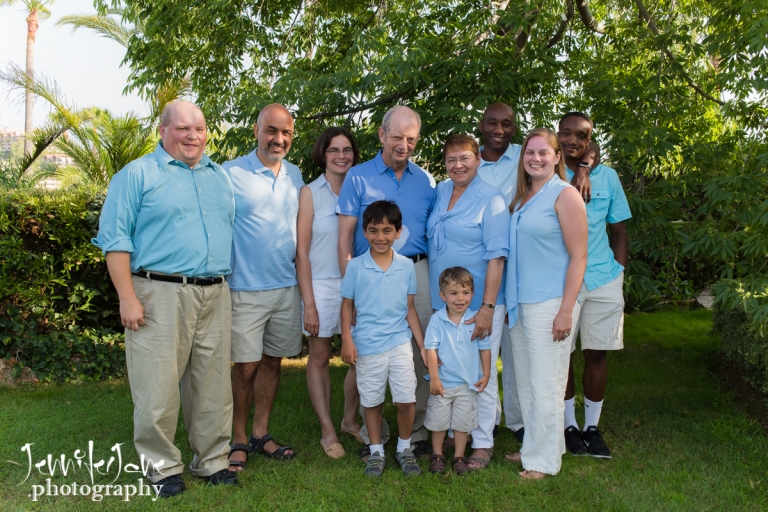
pixel 601 322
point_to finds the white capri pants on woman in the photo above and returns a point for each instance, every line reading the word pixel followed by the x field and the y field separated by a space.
pixel 541 371
pixel 487 401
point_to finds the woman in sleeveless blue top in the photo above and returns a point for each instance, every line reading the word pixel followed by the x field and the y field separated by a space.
pixel 547 260
pixel 317 269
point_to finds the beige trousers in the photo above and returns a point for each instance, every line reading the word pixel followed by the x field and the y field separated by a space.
pixel 423 304
pixel 186 340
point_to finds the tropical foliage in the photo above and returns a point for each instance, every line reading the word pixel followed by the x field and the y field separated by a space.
pixel 677 90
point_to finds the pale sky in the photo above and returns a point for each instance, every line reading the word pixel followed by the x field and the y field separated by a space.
pixel 85 66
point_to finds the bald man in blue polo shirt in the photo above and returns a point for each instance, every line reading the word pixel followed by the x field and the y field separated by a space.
pixel 391 175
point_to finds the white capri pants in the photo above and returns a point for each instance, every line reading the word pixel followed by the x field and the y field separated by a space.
pixel 541 371
pixel 487 401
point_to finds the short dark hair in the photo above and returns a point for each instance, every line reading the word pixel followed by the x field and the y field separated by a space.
pixel 458 275
pixel 577 114
pixel 324 140
pixel 379 212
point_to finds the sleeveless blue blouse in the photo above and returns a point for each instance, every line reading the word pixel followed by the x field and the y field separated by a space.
pixel 538 260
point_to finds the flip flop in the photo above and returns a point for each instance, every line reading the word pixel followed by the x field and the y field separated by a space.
pixel 356 435
pixel 335 451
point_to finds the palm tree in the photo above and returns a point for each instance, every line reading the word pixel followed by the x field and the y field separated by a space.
pixel 121 32
pixel 98 143
pixel 37 10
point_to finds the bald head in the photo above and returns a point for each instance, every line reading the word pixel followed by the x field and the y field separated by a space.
pixel 184 132
pixel 173 108
pixel 401 115
pixel 274 129
pixel 497 128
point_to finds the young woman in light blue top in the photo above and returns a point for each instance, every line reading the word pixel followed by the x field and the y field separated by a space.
pixel 317 268
pixel 548 256
pixel 469 227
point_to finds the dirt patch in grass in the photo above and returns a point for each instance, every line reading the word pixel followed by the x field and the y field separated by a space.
pixel 754 403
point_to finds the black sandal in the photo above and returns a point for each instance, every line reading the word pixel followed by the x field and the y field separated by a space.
pixel 279 454
pixel 239 447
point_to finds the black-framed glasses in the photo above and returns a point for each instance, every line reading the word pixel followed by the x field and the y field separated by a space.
pixel 335 151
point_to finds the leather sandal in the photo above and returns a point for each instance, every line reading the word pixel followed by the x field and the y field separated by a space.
pixel 279 454
pixel 479 462
pixel 437 464
pixel 240 447
pixel 460 466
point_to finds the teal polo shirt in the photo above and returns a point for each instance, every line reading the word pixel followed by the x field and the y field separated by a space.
pixel 172 218
pixel 608 205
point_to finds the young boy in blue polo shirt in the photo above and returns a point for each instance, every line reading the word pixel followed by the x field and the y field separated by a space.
pixel 380 285
pixel 453 361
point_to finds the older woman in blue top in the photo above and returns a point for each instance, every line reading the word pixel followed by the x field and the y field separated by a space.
pixel 547 259
pixel 469 227
pixel 317 270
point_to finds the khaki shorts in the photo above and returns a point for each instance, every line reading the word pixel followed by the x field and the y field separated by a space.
pixel 394 365
pixel 456 409
pixel 266 323
pixel 601 322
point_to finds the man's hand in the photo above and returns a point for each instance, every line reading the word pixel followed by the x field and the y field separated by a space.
pixel 131 313
pixel 435 387
pixel 482 383
pixel 348 352
pixel 483 321
pixel 582 183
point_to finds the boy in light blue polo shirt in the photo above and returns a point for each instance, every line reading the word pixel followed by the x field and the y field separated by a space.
pixel 380 285
pixel 453 360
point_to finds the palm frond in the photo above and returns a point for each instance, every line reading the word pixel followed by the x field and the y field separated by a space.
pixel 102 25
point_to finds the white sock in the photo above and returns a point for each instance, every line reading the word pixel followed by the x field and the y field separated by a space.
pixel 403 444
pixel 592 412
pixel 570 413
pixel 377 448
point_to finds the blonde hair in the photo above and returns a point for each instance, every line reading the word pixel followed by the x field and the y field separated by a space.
pixel 523 180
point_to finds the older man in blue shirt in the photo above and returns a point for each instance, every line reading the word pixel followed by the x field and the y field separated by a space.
pixel 166 230
pixel 391 175
pixel 266 306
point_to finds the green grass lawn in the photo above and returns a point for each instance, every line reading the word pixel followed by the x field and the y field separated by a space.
pixel 678 442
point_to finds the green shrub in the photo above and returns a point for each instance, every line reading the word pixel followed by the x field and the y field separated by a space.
pixel 58 309
pixel 742 345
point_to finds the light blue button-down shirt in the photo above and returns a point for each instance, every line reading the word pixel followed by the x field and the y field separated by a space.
pixel 608 205
pixel 502 174
pixel 414 194
pixel 474 232
pixel 455 348
pixel 381 301
pixel 264 234
pixel 171 218
pixel 538 259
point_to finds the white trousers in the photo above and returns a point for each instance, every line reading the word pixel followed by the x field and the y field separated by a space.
pixel 512 414
pixel 487 401
pixel 541 370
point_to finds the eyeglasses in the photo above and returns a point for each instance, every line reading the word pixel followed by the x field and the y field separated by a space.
pixel 452 161
pixel 335 151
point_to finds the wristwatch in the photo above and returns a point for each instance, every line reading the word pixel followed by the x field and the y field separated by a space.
pixel 585 164
pixel 491 306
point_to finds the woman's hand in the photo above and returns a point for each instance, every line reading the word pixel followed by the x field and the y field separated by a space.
pixel 311 320
pixel 483 321
pixel 561 327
